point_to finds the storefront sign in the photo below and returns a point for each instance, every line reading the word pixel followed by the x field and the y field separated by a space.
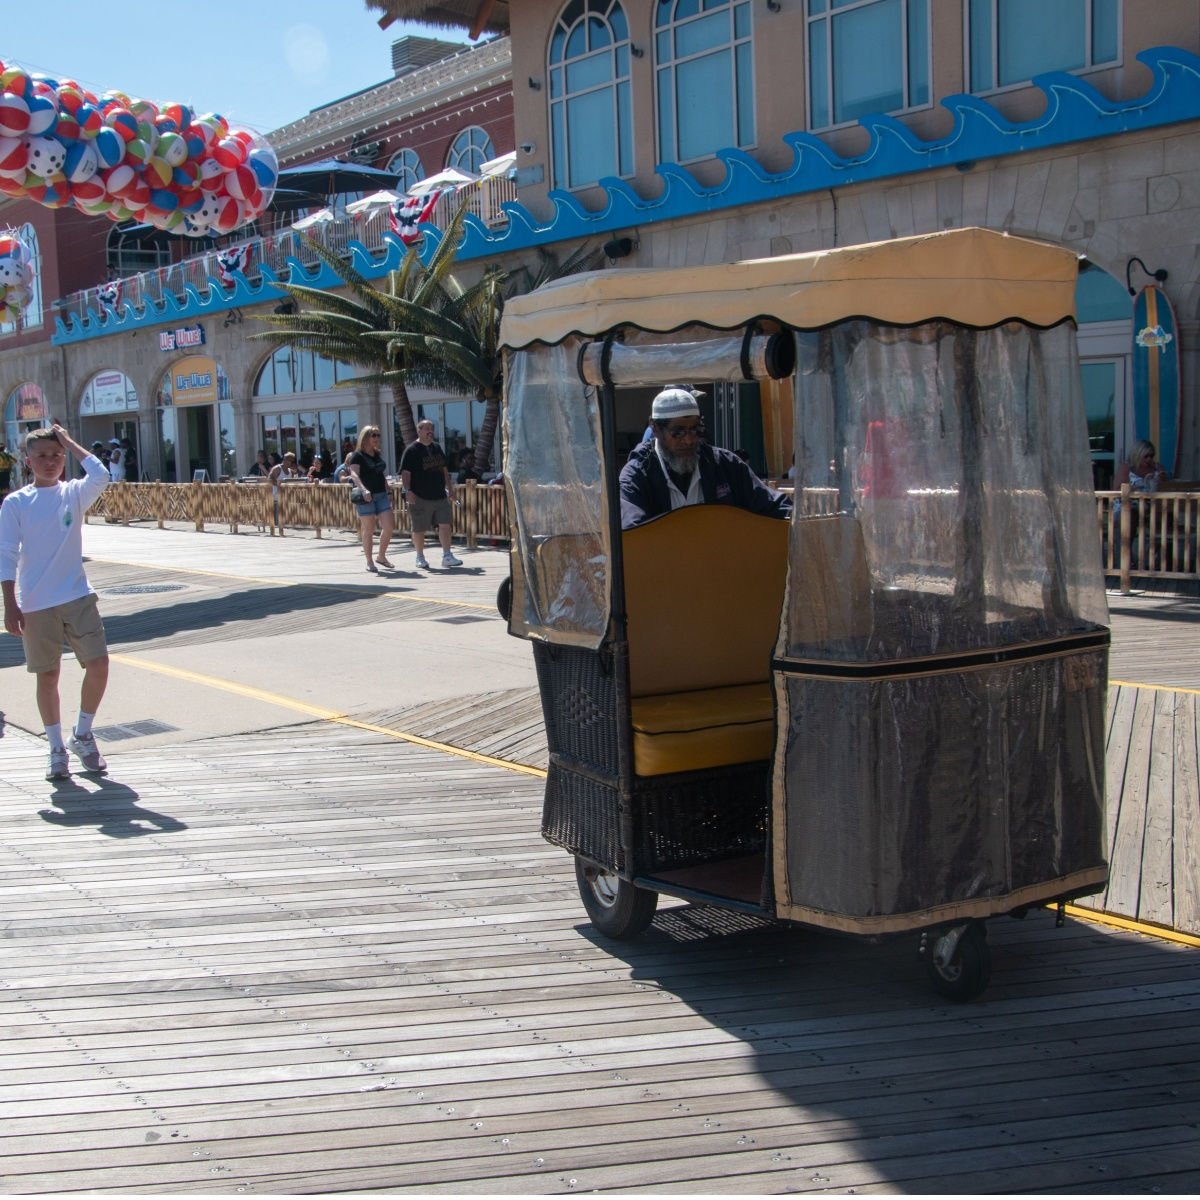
pixel 30 403
pixel 194 381
pixel 108 392
pixel 181 339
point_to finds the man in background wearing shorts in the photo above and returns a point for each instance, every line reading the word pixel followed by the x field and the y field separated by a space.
pixel 46 592
pixel 428 490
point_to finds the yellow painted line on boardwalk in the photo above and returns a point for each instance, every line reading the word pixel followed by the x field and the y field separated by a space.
pixel 1158 931
pixel 120 562
pixel 1156 687
pixel 321 714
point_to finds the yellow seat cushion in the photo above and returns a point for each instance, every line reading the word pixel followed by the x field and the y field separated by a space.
pixel 691 731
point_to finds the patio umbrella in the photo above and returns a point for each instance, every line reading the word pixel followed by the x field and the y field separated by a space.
pixel 376 200
pixel 331 176
pixel 320 217
pixel 499 166
pixel 451 177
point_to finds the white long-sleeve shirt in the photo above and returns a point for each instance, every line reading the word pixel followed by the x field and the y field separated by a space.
pixel 41 538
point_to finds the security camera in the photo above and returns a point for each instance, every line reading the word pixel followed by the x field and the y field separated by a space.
pixel 528 147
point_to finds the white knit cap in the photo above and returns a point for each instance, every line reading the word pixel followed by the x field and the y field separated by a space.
pixel 674 402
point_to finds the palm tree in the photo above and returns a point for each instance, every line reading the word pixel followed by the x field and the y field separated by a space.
pixel 425 327
pixel 345 326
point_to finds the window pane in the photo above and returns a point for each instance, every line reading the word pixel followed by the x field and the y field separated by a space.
pixel 1099 297
pixel 323 372
pixel 666 116
pixel 745 95
pixel 918 53
pixel 591 138
pixel 866 61
pixel 599 35
pixel 269 437
pixel 1104 31
pixel 818 77
pixel 697 36
pixel 558 137
pixel 982 79
pixel 741 21
pixel 625 127
pixel 225 428
pixel 589 72
pixel 348 420
pixel 663 47
pixel 454 431
pixel 287 433
pixel 705 105
pixel 576 43
pixel 620 29
pixel 1059 45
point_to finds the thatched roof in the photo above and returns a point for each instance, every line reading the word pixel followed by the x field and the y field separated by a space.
pixel 477 17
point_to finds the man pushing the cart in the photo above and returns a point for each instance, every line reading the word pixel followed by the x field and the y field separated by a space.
pixel 677 468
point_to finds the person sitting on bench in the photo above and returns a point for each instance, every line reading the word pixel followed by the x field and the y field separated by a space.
pixel 677 468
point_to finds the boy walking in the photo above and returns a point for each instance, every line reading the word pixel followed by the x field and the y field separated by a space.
pixel 46 592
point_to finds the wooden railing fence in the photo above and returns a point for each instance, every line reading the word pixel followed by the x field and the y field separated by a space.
pixel 1143 536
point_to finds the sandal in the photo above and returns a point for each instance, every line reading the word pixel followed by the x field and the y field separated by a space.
pixel 383 562
pixel 374 570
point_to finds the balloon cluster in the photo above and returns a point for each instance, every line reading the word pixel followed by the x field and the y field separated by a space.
pixel 125 159
pixel 16 277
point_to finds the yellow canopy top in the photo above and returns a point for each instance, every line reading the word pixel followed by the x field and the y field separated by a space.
pixel 975 277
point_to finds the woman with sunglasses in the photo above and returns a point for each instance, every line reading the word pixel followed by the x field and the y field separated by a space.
pixel 678 467
pixel 368 470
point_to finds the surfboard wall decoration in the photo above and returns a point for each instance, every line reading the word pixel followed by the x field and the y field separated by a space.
pixel 1156 374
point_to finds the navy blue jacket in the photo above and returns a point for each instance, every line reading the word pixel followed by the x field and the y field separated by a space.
pixel 724 479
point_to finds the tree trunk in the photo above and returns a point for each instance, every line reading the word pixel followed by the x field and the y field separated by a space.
pixel 404 413
pixel 487 433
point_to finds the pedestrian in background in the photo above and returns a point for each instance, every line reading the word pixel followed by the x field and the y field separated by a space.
pixel 428 490
pixel 368 470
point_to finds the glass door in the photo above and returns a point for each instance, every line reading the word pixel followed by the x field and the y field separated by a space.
pixel 1104 399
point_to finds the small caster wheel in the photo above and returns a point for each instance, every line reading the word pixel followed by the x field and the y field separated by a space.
pixel 504 598
pixel 617 908
pixel 960 962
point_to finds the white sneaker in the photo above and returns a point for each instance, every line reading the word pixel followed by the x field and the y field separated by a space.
pixel 84 745
pixel 422 562
pixel 448 560
pixel 60 765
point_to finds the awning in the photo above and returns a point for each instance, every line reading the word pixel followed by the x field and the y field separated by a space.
pixel 975 277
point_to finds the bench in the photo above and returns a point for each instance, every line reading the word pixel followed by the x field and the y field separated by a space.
pixel 704 590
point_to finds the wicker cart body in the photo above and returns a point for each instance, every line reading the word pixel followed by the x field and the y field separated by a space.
pixel 885 714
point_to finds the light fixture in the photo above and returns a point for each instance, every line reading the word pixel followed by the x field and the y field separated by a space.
pixel 285 308
pixel 619 247
pixel 535 84
pixel 232 317
pixel 774 5
pixel 1159 276
pixel 636 50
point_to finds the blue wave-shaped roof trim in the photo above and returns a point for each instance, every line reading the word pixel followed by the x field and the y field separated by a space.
pixel 1074 112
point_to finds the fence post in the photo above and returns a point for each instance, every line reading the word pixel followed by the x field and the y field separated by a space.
pixel 472 514
pixel 1126 539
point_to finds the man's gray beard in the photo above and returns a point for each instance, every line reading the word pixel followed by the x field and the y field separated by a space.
pixel 679 464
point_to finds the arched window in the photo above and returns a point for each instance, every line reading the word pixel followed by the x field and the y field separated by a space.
pixel 470 150
pixel 31 317
pixel 705 79
pixel 406 164
pixel 591 106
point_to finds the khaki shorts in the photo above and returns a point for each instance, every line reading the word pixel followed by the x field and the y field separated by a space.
pixel 78 621
pixel 427 514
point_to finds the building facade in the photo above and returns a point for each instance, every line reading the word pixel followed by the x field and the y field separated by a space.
pixel 135 335
pixel 700 131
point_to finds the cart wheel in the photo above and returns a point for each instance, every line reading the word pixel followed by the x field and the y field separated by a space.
pixel 969 968
pixel 504 598
pixel 617 908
